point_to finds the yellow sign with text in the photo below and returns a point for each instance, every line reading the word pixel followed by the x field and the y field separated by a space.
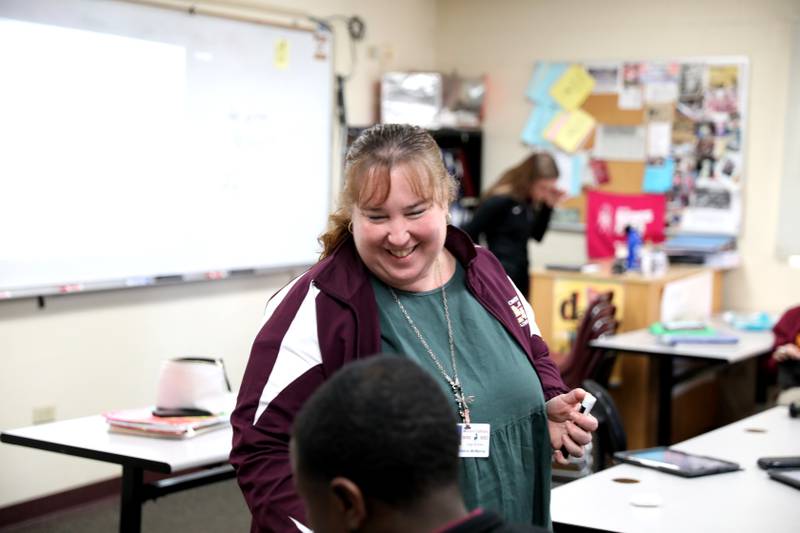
pixel 570 300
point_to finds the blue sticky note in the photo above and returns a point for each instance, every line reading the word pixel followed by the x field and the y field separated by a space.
pixel 540 117
pixel 579 162
pixel 658 178
pixel 544 76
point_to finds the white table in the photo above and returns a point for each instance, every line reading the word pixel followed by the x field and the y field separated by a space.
pixel 747 500
pixel 642 342
pixel 89 437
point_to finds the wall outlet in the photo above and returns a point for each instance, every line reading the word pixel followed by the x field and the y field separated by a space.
pixel 44 414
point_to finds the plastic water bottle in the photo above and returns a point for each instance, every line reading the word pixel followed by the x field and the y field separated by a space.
pixel 634 245
pixel 647 260
pixel 660 262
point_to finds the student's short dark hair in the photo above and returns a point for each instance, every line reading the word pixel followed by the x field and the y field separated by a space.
pixel 383 423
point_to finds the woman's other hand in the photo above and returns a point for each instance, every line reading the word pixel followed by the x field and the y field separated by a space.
pixel 786 352
pixel 568 427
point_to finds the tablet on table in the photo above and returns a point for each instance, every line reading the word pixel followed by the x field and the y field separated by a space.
pixel 676 462
pixel 790 476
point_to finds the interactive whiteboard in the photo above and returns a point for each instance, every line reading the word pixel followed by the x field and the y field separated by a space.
pixel 142 144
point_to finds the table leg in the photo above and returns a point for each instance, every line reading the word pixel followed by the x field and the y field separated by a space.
pixel 130 515
pixel 664 436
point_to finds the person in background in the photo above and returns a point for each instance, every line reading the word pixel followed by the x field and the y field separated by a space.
pixel 395 277
pixel 787 349
pixel 375 448
pixel 517 208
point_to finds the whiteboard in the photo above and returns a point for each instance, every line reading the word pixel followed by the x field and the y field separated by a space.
pixel 142 144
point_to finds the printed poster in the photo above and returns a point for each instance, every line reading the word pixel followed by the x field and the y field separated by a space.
pixel 630 93
pixel 606 77
pixel 607 216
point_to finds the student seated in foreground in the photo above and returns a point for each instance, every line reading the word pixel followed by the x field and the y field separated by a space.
pixel 376 449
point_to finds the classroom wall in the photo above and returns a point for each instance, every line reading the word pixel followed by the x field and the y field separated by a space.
pixel 84 354
pixel 87 353
pixel 504 39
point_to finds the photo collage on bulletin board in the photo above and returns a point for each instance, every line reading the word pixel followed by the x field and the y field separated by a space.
pixel 662 129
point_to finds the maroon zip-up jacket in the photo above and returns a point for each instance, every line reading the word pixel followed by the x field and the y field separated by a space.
pixel 322 320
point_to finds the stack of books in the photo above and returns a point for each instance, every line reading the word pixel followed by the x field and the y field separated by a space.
pixel 144 422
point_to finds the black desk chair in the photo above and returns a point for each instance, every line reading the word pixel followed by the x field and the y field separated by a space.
pixel 583 360
pixel 610 437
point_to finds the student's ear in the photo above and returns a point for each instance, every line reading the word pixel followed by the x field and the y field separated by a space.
pixel 350 500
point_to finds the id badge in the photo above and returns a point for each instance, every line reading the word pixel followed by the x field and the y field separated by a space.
pixel 474 440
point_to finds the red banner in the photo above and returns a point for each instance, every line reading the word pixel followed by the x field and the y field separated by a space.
pixel 608 214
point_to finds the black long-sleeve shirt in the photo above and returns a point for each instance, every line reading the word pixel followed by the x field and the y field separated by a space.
pixel 507 225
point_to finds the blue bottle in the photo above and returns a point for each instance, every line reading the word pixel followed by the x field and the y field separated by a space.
pixel 634 245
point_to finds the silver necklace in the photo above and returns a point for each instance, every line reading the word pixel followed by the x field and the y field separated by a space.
pixel 462 400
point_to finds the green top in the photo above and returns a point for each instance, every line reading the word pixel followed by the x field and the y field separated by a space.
pixel 514 480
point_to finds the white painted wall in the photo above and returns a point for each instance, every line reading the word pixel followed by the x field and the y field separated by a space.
pixel 88 353
pixel 504 38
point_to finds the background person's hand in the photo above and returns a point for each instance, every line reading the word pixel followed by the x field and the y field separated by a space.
pixel 554 196
pixel 568 427
pixel 786 352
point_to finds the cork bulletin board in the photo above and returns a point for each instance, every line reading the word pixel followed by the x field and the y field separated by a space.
pixel 672 127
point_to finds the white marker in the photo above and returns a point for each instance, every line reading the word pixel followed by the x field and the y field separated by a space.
pixel 586 407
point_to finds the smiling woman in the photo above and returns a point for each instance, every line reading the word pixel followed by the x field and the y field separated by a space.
pixel 403 236
pixel 396 278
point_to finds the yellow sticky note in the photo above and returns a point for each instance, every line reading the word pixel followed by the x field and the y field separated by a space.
pixel 282 54
pixel 573 130
pixel 572 88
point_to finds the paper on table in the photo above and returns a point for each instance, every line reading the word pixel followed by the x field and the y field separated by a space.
pixel 143 422
pixel 620 143
pixel 572 88
pixel 659 139
pixel 688 298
